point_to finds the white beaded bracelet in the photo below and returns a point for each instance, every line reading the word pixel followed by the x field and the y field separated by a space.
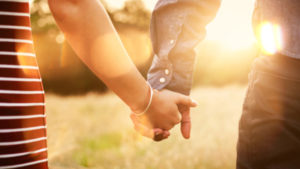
pixel 149 104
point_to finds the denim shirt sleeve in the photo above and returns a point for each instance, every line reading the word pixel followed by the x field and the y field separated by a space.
pixel 177 26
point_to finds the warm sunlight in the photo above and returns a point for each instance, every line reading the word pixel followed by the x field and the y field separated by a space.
pixel 115 4
pixel 233 25
pixel 112 84
pixel 270 38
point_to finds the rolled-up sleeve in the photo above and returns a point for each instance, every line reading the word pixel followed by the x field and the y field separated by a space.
pixel 177 26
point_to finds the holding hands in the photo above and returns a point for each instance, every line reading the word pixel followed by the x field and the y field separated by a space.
pixel 100 48
pixel 166 109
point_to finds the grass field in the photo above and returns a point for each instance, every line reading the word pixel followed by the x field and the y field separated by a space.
pixel 95 132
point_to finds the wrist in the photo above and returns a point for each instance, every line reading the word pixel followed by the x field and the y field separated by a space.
pixel 141 101
pixel 145 103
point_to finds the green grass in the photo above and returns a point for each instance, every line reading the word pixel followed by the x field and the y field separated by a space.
pixel 95 132
pixel 93 150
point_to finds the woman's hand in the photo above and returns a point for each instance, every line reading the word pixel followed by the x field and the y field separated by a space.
pixel 167 109
pixel 97 43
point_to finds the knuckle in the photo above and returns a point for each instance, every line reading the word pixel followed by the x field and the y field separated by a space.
pixel 176 121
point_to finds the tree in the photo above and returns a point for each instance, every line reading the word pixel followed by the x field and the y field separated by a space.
pixel 133 13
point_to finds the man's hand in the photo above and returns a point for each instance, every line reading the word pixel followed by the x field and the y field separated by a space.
pixel 186 124
pixel 167 109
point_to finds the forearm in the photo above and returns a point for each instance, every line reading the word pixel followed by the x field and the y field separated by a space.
pixel 91 34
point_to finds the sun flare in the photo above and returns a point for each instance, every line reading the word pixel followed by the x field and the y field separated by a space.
pixel 270 38
pixel 232 26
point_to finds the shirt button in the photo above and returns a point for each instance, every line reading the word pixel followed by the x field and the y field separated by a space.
pixel 162 80
pixel 167 72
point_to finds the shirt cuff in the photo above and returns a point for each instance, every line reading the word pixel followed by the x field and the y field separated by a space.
pixel 177 76
pixel 160 73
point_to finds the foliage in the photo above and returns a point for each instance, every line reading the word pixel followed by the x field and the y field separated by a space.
pixel 61 68
pixel 41 17
pixel 59 65
pixel 133 13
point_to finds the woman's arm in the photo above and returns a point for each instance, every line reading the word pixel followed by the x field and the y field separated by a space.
pixel 91 34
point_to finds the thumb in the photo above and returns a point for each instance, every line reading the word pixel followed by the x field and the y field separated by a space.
pixel 185 121
pixel 186 101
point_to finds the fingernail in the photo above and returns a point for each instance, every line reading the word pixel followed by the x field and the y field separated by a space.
pixel 195 102
pixel 156 132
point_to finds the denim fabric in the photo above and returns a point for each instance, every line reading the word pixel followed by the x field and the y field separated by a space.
pixel 269 131
pixel 177 26
pixel 286 14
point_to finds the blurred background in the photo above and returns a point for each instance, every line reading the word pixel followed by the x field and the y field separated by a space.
pixel 89 127
pixel 223 58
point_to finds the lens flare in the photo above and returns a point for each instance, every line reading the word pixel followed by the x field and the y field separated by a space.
pixel 270 38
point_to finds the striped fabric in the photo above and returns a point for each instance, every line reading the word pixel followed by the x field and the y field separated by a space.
pixel 22 118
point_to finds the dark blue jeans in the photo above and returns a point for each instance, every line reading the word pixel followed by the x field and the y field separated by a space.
pixel 269 131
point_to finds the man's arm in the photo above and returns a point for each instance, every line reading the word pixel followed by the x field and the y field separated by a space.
pixel 177 26
pixel 88 29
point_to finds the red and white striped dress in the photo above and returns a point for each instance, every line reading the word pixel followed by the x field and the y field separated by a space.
pixel 22 118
